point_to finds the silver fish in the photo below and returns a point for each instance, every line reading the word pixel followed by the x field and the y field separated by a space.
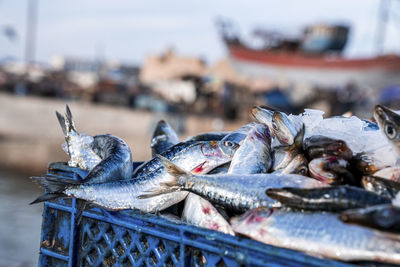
pixel 123 194
pixel 284 129
pixel 214 136
pixel 106 157
pixel 254 154
pixel 390 173
pixel 299 165
pixel 239 135
pixel 283 155
pixel 237 192
pixel 263 115
pixel 163 138
pixel 389 123
pixel 77 145
pixel 319 171
pixel 319 234
pixel 202 213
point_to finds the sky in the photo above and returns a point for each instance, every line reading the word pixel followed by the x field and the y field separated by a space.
pixel 128 31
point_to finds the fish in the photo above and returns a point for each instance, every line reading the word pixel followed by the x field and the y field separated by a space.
pixel 390 173
pixel 77 145
pixel 283 155
pixel 381 186
pixel 332 198
pixel 221 169
pixel 263 115
pixel 238 135
pixel 384 217
pixel 318 234
pixel 106 157
pixel 214 136
pixel 235 192
pixel 284 129
pixel 254 154
pixel 200 212
pixel 163 138
pixel 331 170
pixel 123 194
pixel 389 123
pixel 298 165
pixel 368 163
pixel 318 146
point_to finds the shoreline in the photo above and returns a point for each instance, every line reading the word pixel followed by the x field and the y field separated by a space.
pixel 31 137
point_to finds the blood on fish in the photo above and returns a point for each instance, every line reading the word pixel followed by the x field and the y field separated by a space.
pixel 199 168
pixel 206 210
pixel 214 226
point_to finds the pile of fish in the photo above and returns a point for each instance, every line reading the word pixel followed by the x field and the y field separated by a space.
pixel 325 186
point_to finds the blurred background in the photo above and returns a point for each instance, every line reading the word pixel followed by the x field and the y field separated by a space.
pixel 123 65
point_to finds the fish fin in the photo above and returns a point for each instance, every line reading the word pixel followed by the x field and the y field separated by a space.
pixel 47 197
pixel 167 186
pixel 173 169
pixel 70 122
pixel 62 122
pixel 298 140
pixel 80 208
pixel 54 187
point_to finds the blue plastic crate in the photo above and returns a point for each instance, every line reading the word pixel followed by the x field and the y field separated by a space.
pixel 131 238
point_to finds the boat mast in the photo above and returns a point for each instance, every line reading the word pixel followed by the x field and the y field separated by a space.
pixel 383 17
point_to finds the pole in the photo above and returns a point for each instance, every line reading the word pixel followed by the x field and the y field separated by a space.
pixel 31 24
pixel 383 16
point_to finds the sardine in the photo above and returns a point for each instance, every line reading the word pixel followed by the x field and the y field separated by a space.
pixel 239 135
pixel 199 158
pixel 389 123
pixel 283 155
pixel 331 170
pixel 163 138
pixel 284 129
pixel 381 186
pixel 332 198
pixel 319 234
pixel 390 173
pixel 299 165
pixel 78 145
pixel 202 213
pixel 106 157
pixel 215 136
pixel 235 192
pixel 254 154
pixel 318 146
pixel 384 217
pixel 263 115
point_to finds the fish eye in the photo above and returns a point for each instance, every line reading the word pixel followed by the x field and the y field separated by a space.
pixel 229 144
pixel 303 171
pixel 390 131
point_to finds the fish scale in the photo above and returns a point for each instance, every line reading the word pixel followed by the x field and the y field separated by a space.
pixel 320 234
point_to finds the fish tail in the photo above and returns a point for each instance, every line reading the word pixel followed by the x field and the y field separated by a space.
pixel 54 186
pixel 168 186
pixel 66 123
pixel 70 122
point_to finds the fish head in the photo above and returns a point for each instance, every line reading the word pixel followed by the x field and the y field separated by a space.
pixel 389 122
pixel 381 215
pixel 228 148
pixel 319 170
pixel 299 165
pixel 365 163
pixel 215 153
pixel 283 128
pixel 321 146
pixel 263 115
pixel 261 133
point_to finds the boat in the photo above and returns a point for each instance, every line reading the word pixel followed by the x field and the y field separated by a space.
pixel 314 57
